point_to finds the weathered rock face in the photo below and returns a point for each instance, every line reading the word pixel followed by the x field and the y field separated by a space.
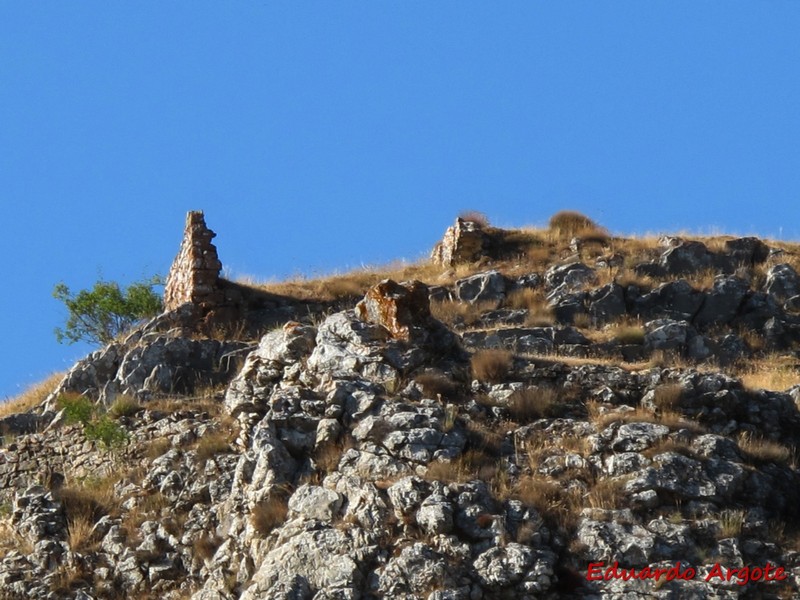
pixel 462 242
pixel 354 456
pixel 399 307
pixel 194 275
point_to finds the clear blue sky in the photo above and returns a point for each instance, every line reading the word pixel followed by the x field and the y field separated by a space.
pixel 325 135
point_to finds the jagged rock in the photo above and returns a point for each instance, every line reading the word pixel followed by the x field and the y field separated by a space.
pixel 435 515
pixel 416 570
pixel 264 366
pixel 610 536
pixel 363 503
pixel 483 287
pixel 722 302
pixel 747 250
pixel 689 479
pixel 606 303
pixel 569 278
pixel 463 242
pixel 686 258
pixel 315 502
pixel 783 282
pixel 407 494
pixel 666 334
pixel 326 559
pixel 674 300
pixel 37 516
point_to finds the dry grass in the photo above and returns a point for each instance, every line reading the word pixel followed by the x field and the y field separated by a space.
pixel 668 397
pixel 354 284
pixel 533 300
pixel 124 406
pixel 568 223
pixel 532 403
pixel 460 314
pixel 731 522
pixel 270 513
pixel 475 216
pixel 607 493
pixel 491 366
pixel 157 447
pixel 764 451
pixel 327 457
pixel 773 372
pixel 31 397
pixel 474 464
pixel 671 419
pixel 84 505
pixel 206 545
pixel 213 443
pixel 438 385
pixel 628 334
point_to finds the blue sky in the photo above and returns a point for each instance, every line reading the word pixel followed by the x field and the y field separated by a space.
pixel 320 136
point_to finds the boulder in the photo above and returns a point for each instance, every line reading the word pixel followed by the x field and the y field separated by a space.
pixel 570 277
pixel 686 258
pixel 783 282
pixel 674 300
pixel 606 303
pixel 722 302
pixel 483 287
pixel 399 307
pixel 747 250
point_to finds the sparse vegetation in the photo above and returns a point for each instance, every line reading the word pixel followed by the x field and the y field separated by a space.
pixel 568 223
pixel 533 403
pixel 763 450
pixel 31 397
pixel 492 366
pixel 269 513
pixel 97 427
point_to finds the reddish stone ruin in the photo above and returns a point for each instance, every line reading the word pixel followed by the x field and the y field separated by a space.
pixel 194 275
pixel 399 307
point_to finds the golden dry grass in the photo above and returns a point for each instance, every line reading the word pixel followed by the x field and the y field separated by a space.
pixel 492 366
pixel 763 450
pixel 773 372
pixel 31 397
pixel 460 314
pixel 269 513
pixel 671 419
pixel 531 403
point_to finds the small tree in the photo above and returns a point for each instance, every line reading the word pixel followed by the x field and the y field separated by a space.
pixel 100 314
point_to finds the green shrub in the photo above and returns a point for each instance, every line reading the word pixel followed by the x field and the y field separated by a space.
pixel 99 315
pixel 107 432
pixel 77 409
pixel 98 428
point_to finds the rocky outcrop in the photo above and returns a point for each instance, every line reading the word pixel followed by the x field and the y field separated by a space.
pixel 360 455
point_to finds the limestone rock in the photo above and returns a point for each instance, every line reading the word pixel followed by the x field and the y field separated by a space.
pixel 483 287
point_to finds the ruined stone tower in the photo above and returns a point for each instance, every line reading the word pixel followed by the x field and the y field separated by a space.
pixel 194 274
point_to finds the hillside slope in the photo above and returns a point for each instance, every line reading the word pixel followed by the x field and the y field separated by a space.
pixel 531 408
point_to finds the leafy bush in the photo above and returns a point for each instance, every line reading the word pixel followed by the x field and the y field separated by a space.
pixel 102 429
pixel 100 314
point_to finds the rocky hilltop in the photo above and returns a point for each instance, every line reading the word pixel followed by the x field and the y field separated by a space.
pixel 554 413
